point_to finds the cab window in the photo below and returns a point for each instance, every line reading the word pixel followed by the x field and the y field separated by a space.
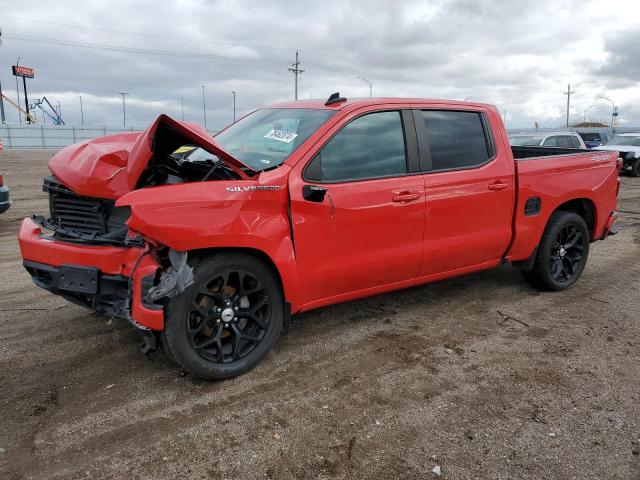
pixel 550 142
pixel 456 139
pixel 371 146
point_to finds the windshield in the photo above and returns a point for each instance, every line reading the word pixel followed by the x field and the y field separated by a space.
pixel 590 137
pixel 265 138
pixel 624 140
pixel 525 140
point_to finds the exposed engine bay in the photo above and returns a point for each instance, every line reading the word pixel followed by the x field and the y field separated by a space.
pixel 195 165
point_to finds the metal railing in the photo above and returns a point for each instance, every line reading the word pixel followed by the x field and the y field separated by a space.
pixel 25 137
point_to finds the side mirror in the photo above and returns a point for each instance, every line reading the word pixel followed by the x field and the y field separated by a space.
pixel 313 193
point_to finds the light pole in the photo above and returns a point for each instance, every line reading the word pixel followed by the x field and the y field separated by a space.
pixel 370 84
pixel 18 92
pixel 81 112
pixel 124 109
pixel 234 106
pixel 204 109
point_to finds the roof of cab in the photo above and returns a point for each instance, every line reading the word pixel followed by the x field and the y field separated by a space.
pixel 364 102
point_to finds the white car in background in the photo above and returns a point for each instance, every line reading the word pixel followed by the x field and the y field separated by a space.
pixel 628 146
pixel 547 139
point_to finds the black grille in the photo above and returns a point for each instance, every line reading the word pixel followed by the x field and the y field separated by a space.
pixel 84 218
pixel 82 214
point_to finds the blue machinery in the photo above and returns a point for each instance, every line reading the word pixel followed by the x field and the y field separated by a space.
pixel 51 112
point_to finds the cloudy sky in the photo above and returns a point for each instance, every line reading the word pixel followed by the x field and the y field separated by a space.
pixel 519 55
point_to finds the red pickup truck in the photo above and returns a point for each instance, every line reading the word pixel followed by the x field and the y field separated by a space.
pixel 301 205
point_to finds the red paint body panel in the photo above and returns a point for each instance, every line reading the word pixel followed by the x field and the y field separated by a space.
pixel 108 167
pixel 357 241
pixel 557 180
pixel 468 223
pixel 109 260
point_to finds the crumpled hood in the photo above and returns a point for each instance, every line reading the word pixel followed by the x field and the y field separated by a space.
pixel 109 167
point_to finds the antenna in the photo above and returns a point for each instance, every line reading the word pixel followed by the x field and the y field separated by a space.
pixel 335 98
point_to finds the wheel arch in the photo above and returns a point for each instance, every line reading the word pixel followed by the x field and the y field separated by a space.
pixel 584 207
pixel 285 276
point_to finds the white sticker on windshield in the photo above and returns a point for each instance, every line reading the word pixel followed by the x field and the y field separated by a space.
pixel 281 135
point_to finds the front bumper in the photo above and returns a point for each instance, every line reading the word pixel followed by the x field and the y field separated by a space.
pixel 122 275
pixel 5 199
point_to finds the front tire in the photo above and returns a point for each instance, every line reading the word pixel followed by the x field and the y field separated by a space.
pixel 562 253
pixel 635 168
pixel 228 320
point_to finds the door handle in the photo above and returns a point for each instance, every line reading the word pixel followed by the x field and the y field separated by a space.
pixel 403 197
pixel 498 186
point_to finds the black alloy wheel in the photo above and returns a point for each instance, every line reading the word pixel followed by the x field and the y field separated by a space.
pixel 566 254
pixel 562 253
pixel 228 320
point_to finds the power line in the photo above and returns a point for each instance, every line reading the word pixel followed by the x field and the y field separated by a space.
pixel 187 54
pixel 150 35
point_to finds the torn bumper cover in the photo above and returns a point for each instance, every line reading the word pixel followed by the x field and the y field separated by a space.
pixel 108 279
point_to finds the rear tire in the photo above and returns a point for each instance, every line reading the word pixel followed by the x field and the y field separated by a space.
pixel 635 168
pixel 562 253
pixel 228 320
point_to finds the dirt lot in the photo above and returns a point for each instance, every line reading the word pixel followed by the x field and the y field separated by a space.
pixel 481 375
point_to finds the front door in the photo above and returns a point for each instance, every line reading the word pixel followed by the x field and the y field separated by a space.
pixel 357 214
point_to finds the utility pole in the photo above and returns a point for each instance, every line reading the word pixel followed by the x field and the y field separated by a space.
pixel 369 83
pixel 18 93
pixel 81 112
pixel 2 117
pixel 568 94
pixel 296 71
pixel 182 107
pixel 204 108
pixel 124 109
pixel 234 106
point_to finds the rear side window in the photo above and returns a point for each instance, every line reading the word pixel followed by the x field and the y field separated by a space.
pixel 371 146
pixel 575 142
pixel 550 142
pixel 564 141
pixel 456 139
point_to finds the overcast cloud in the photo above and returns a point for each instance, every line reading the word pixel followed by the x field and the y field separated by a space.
pixel 519 55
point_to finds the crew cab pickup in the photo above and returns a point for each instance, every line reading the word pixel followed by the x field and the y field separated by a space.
pixel 301 205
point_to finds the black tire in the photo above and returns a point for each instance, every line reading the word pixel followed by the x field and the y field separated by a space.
pixel 562 253
pixel 200 334
pixel 635 168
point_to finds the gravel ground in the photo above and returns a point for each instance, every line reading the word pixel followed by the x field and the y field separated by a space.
pixel 481 375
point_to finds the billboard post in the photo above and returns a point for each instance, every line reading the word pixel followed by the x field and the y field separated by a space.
pixel 24 72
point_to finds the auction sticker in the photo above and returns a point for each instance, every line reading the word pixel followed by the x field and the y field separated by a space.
pixel 281 135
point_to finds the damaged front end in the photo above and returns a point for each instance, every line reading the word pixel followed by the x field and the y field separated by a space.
pixel 84 249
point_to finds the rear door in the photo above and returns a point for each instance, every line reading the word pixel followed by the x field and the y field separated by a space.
pixel 358 205
pixel 469 188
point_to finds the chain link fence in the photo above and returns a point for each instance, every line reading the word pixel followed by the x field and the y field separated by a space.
pixel 25 137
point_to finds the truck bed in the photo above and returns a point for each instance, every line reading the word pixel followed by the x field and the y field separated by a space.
pixel 521 153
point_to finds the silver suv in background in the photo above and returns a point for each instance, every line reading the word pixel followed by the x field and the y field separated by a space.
pixel 628 147
pixel 547 139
